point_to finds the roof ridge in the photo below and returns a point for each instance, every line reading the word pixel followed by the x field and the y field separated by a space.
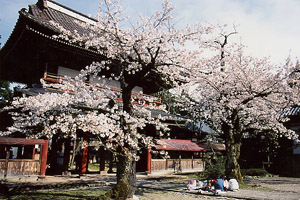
pixel 68 11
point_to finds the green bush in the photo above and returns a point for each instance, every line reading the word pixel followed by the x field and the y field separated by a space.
pixel 254 172
pixel 215 168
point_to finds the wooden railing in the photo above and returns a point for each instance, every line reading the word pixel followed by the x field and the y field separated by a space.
pixel 137 98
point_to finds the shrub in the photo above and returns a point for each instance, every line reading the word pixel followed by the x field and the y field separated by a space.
pixel 216 168
pixel 254 172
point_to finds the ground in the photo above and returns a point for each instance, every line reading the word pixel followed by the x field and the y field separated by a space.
pixel 151 187
pixel 151 195
pixel 275 188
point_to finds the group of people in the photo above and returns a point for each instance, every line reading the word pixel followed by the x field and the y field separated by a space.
pixel 214 185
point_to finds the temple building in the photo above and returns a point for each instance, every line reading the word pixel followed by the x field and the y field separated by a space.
pixel 33 53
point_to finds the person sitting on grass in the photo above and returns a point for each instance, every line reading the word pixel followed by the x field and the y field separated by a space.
pixel 192 184
pixel 226 184
pixel 219 185
pixel 233 185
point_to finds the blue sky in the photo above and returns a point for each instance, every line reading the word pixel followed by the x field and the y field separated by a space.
pixel 266 27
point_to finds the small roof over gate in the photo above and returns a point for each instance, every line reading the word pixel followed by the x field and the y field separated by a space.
pixel 177 145
pixel 21 141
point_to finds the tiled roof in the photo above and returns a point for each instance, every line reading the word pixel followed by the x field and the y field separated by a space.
pixel 47 10
pixel 36 91
pixel 155 113
pixel 19 141
pixel 215 146
pixel 293 111
pixel 60 41
pixel 177 145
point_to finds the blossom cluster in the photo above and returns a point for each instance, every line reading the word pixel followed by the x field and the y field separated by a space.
pixel 151 45
pixel 147 45
pixel 243 92
pixel 72 106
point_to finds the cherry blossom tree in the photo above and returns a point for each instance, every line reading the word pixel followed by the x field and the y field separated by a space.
pixel 237 95
pixel 152 45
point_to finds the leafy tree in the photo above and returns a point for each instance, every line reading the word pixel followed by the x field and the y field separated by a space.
pixel 5 98
pixel 215 166
pixel 0 38
pixel 170 100
pixel 5 93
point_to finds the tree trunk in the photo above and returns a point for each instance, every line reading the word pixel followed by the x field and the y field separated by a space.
pixel 126 177
pixel 233 145
pixel 232 168
pixel 126 167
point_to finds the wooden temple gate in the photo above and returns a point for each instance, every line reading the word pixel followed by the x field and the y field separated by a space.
pixel 18 157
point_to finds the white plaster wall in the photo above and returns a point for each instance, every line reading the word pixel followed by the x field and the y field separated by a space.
pixel 67 72
pixel 296 149
pixel 105 81
pixel 112 83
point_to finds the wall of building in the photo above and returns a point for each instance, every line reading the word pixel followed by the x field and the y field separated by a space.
pixel 104 81
pixel 296 149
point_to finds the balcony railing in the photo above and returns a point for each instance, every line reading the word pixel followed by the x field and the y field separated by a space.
pixel 137 98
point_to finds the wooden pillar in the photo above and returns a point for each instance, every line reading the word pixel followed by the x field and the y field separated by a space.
pixel 67 149
pixel 19 153
pixel 202 155
pixel 179 168
pixel 84 157
pixel 44 158
pixel 111 161
pixel 33 153
pixel 192 162
pixel 53 154
pixel 167 164
pixel 148 162
pixel 102 160
pixel 6 161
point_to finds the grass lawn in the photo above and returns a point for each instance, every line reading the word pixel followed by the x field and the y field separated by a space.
pixel 61 194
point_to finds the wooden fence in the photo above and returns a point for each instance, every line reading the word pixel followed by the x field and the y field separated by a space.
pixel 16 167
pixel 176 165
